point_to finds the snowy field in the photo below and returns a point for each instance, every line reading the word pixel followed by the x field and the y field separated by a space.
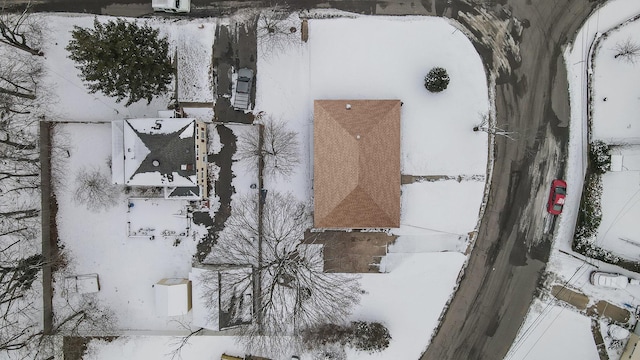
pixel 437 140
pixel 356 60
pixel 422 296
pixel 74 103
pixel 352 59
pixel 554 332
pixel 616 97
pixel 619 196
pixel 616 122
pixel 619 231
pixel 98 242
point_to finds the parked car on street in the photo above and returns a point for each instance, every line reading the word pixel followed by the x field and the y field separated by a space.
pixel 611 280
pixel 171 6
pixel 557 196
pixel 243 89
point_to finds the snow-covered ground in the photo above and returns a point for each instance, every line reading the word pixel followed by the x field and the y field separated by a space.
pixel 615 118
pixel 554 332
pixel 616 122
pixel 76 104
pixel 344 58
pixel 411 281
pixel 99 242
pixel 353 59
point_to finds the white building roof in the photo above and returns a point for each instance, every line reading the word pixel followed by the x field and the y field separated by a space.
pixel 172 297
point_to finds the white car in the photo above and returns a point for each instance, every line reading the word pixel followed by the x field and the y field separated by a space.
pixel 171 6
pixel 611 280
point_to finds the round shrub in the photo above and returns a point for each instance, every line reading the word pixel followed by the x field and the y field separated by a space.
pixel 369 336
pixel 436 80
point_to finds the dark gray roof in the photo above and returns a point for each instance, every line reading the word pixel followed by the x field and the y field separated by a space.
pixel 185 191
pixel 167 153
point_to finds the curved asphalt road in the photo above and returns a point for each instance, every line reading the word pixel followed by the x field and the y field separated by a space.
pixel 511 251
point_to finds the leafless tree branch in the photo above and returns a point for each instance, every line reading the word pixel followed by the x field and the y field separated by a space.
pixel 294 293
pixel 627 50
pixel 280 149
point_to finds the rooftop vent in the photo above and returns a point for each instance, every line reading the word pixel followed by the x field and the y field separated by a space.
pixel 155 163
pixel 348 106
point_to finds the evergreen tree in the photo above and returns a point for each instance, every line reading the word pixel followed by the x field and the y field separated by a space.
pixel 122 59
pixel 436 80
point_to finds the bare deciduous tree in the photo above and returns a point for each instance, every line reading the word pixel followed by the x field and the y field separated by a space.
pixel 95 190
pixel 494 129
pixel 627 50
pixel 330 352
pixel 292 292
pixel 180 342
pixel 279 148
pixel 276 30
pixel 82 315
pixel 21 260
pixel 21 30
pixel 19 75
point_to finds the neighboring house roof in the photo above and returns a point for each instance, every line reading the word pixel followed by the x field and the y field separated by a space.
pixel 356 163
pixel 156 152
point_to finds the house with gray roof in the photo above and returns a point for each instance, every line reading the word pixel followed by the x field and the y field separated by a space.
pixel 161 152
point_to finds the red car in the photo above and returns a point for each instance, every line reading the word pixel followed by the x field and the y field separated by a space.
pixel 556 196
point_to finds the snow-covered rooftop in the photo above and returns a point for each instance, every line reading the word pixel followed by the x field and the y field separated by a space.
pixel 155 152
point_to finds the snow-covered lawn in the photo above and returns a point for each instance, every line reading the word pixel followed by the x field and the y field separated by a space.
pixel 352 59
pixel 358 58
pixel 554 332
pixel 193 41
pixel 619 230
pixel 616 122
pixel 98 242
pixel 387 58
pixel 412 281
pixel 616 96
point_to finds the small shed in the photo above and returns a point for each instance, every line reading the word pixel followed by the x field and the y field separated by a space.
pixel 173 297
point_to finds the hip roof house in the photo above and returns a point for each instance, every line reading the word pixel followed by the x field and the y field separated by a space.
pixel 168 153
pixel 356 163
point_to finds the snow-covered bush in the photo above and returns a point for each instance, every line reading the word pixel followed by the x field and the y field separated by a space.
pixel 436 80
pixel 599 157
pixel 364 336
pixel 590 214
pixel 95 190
pixel 370 337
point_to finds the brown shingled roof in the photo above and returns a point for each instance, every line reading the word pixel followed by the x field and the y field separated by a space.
pixel 356 164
